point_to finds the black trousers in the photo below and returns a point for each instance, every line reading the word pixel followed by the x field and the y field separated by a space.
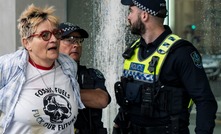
pixel 88 131
pixel 157 130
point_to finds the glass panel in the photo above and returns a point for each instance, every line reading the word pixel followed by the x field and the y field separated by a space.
pixel 199 21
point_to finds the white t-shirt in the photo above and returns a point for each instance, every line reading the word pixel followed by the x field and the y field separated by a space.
pixel 47 104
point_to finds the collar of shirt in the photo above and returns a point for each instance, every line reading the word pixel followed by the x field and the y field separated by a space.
pixel 147 49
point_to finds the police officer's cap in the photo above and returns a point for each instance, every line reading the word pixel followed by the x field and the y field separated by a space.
pixel 68 28
pixel 150 6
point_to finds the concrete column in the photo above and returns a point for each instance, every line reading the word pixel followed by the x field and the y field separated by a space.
pixel 7 26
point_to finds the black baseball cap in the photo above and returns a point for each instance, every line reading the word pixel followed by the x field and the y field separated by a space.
pixel 151 6
pixel 68 28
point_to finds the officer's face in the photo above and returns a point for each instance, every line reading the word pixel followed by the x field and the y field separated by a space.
pixel 72 46
pixel 134 18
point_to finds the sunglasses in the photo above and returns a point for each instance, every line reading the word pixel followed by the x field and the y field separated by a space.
pixel 46 35
pixel 73 40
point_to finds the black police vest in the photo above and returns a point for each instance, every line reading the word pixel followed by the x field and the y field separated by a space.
pixel 89 119
pixel 153 100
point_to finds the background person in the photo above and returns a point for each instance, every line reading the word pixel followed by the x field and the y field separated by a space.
pixel 39 93
pixel 92 82
pixel 161 73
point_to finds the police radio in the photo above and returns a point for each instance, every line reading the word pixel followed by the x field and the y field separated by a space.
pixel 129 52
pixel 147 106
pixel 147 102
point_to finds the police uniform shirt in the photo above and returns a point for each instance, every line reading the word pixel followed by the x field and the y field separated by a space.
pixel 183 67
pixel 90 78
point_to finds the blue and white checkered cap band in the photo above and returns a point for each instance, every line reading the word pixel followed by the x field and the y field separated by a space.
pixel 70 27
pixel 139 76
pixel 154 13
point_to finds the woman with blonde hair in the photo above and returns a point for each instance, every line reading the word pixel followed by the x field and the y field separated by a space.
pixel 39 92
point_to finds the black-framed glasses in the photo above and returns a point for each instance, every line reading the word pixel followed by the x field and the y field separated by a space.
pixel 46 35
pixel 73 40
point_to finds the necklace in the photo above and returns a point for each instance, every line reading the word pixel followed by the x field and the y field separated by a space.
pixel 42 78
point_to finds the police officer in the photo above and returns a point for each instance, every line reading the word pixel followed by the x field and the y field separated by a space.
pixel 162 73
pixel 93 91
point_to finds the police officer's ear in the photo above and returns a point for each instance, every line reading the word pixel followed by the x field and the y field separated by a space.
pixel 144 16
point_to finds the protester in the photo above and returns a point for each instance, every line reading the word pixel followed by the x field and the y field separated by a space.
pixel 92 82
pixel 161 74
pixel 39 93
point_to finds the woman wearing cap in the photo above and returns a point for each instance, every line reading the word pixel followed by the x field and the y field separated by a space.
pixel 39 93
